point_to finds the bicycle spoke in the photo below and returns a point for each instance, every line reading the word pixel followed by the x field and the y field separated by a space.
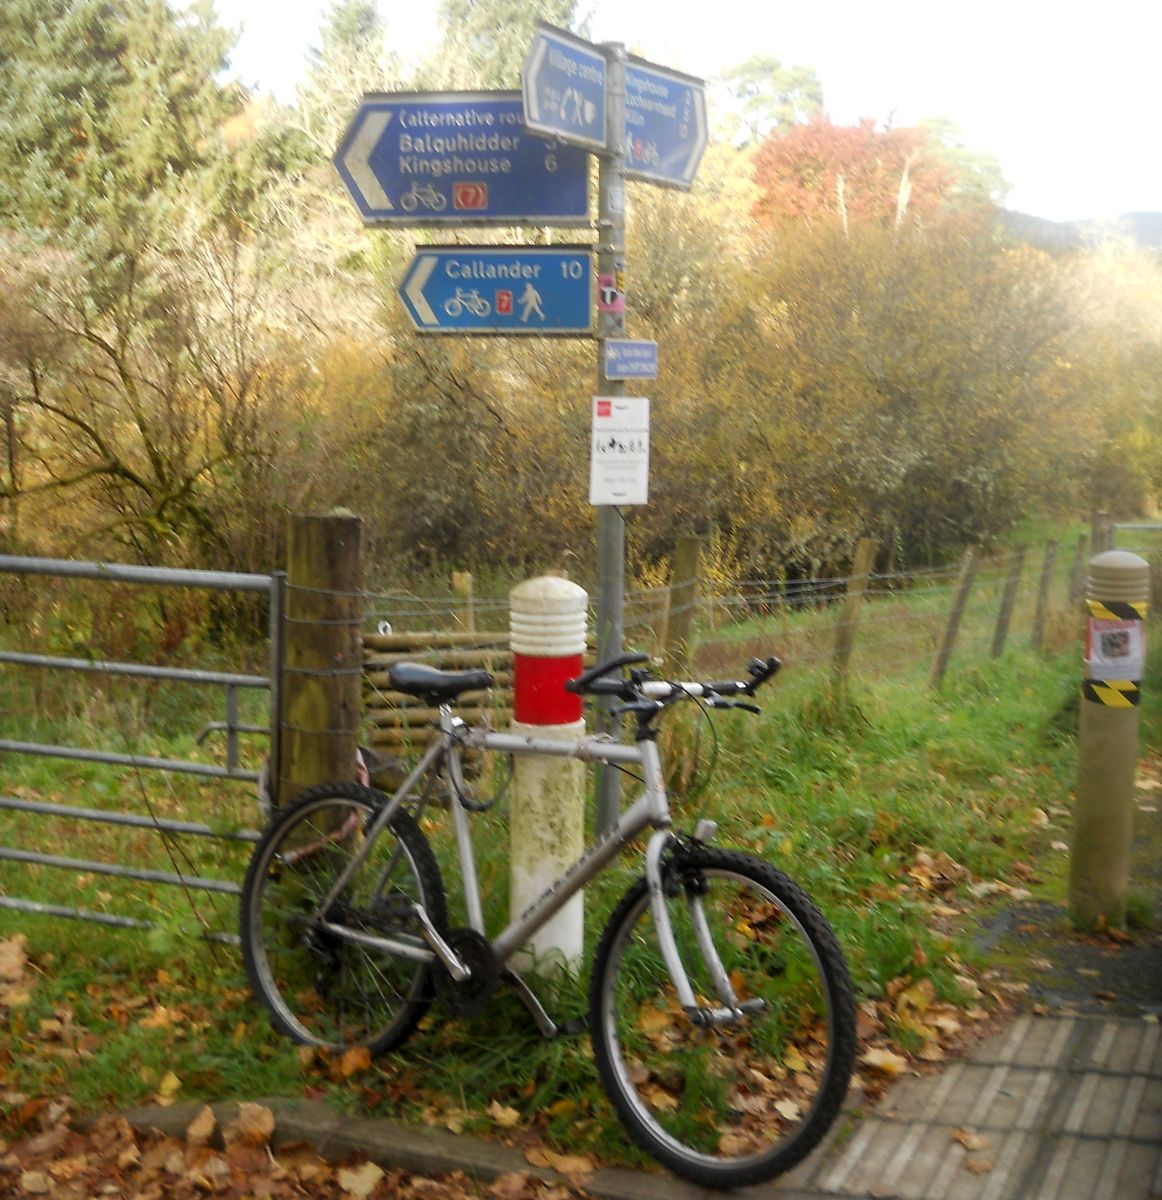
pixel 726 1099
pixel 320 987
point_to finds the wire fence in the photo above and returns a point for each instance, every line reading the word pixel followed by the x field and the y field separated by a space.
pixel 915 624
pixel 1024 597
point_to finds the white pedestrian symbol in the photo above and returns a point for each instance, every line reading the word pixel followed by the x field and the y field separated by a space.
pixel 530 302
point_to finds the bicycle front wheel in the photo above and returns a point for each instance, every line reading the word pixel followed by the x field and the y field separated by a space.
pixel 739 1102
pixel 320 987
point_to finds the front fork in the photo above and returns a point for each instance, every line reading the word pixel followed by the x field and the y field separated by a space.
pixel 730 1009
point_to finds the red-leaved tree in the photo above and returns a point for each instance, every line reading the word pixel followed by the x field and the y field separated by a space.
pixel 819 171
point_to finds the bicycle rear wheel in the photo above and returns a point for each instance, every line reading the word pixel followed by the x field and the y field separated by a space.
pixel 737 1103
pixel 320 988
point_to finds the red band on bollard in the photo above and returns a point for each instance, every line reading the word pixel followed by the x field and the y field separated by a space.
pixel 539 696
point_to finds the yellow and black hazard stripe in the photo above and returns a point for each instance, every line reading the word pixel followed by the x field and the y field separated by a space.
pixel 1117 610
pixel 1113 693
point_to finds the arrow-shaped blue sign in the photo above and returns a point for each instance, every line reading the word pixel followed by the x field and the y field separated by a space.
pixel 543 290
pixel 458 157
pixel 665 124
pixel 563 85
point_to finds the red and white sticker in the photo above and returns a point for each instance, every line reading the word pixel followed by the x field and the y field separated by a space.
pixel 610 296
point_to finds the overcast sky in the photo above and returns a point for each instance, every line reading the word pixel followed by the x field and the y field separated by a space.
pixel 1067 95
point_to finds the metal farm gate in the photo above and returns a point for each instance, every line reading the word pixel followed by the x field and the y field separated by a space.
pixel 138 839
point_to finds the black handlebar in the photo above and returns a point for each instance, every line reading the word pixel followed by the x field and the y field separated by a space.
pixel 582 683
pixel 594 682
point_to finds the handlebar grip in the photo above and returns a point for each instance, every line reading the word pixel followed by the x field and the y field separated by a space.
pixel 760 671
pixel 582 683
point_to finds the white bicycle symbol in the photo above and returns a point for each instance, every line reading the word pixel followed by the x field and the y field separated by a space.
pixel 472 301
pixel 423 194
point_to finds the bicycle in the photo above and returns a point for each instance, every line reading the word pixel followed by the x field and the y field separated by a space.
pixel 721 1011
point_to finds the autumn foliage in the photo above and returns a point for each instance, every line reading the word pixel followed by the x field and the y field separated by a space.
pixel 199 337
pixel 818 171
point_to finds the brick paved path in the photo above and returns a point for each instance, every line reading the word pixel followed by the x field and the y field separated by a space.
pixel 1054 1108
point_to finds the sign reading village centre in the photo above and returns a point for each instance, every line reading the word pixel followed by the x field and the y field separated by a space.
pixel 458 158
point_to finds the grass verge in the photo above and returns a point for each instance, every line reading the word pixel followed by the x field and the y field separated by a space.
pixel 905 814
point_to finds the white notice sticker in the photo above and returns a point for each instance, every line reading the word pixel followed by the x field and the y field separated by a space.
pixel 1115 649
pixel 619 465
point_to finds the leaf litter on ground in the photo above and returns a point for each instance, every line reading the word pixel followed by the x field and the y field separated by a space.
pixel 49 1156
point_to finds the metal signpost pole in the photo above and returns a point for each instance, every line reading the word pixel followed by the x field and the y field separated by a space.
pixel 611 174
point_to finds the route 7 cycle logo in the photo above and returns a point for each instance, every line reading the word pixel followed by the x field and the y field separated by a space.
pixel 469 197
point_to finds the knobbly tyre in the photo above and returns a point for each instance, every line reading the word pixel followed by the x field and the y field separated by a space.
pixel 720 1006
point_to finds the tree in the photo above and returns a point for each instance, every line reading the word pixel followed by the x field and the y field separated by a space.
pixel 353 59
pixel 1112 378
pixel 977 178
pixel 824 172
pixel 104 104
pixel 128 407
pixel 484 42
pixel 766 96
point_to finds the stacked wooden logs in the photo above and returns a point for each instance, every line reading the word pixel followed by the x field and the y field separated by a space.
pixel 397 721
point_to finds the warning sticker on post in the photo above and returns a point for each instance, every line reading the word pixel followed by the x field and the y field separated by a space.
pixel 619 464
pixel 1114 649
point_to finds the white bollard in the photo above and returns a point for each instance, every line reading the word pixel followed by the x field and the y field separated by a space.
pixel 547 818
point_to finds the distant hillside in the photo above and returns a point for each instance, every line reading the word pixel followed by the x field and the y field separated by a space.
pixel 1144 228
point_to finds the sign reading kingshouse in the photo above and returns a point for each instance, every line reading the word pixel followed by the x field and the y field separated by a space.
pixel 458 157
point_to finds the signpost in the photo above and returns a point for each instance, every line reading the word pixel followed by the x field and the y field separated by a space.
pixel 532 290
pixel 644 122
pixel 507 158
pixel 460 158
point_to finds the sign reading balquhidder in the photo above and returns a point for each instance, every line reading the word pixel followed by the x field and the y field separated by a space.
pixel 458 158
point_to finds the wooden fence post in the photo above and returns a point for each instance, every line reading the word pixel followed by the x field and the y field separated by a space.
pixel 1102 532
pixel 462 589
pixel 323 673
pixel 1005 616
pixel 1077 571
pixel 683 605
pixel 1040 616
pixel 865 555
pixel 959 600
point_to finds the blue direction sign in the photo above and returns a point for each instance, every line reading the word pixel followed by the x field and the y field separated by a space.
pixel 563 85
pixel 458 158
pixel 630 358
pixel 665 124
pixel 500 289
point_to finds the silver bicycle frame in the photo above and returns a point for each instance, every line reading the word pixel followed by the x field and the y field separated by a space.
pixel 651 809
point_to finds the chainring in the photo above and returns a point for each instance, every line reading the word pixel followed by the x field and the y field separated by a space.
pixel 470 997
